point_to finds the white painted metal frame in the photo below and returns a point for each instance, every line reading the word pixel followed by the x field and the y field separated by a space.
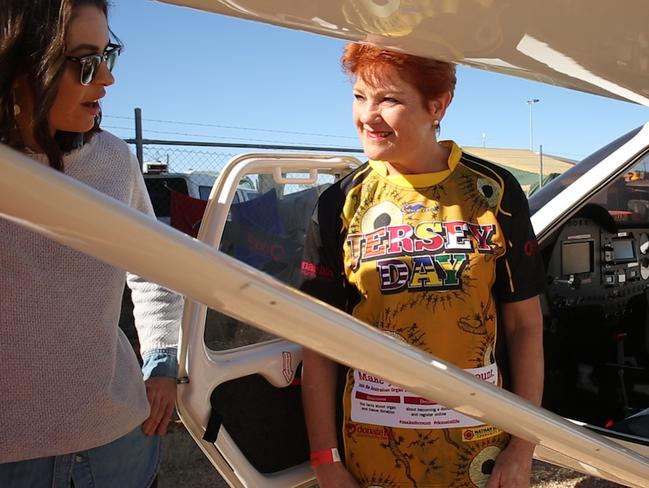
pixel 207 369
pixel 84 219
pixel 554 212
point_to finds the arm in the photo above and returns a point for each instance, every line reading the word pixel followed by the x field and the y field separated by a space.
pixel 523 322
pixel 520 278
pixel 524 331
pixel 319 397
pixel 157 313
pixel 159 369
pixel 322 278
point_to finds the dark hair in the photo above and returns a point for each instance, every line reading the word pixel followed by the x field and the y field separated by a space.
pixel 430 77
pixel 32 46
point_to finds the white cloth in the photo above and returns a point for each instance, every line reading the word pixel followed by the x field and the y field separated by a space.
pixel 70 380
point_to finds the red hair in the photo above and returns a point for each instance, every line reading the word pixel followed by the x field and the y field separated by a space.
pixel 431 78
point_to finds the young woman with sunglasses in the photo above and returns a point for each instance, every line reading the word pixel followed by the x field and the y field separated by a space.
pixel 75 409
pixel 435 248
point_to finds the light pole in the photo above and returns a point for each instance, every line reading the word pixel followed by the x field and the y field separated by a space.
pixel 531 102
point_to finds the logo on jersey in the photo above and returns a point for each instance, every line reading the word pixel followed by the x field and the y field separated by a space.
pixel 480 433
pixel 438 251
pixel 412 208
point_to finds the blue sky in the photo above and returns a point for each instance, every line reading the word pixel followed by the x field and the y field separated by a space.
pixel 281 86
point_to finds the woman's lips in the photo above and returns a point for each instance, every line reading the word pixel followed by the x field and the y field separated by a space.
pixel 377 135
pixel 92 107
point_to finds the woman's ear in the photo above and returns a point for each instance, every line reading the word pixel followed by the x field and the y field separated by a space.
pixel 23 106
pixel 22 97
pixel 438 106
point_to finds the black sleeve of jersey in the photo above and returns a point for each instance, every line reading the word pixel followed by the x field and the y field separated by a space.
pixel 322 273
pixel 519 272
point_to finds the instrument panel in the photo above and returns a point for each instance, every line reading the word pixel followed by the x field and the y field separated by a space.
pixel 590 266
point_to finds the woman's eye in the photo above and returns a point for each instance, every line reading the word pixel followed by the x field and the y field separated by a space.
pixel 358 97
pixel 390 100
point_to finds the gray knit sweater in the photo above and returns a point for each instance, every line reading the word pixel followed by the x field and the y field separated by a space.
pixel 70 380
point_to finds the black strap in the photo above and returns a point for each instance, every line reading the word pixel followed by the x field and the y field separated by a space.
pixel 213 427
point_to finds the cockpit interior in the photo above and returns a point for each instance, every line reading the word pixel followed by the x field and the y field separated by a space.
pixel 596 318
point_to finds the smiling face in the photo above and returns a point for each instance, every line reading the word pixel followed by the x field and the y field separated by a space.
pixel 76 106
pixel 394 123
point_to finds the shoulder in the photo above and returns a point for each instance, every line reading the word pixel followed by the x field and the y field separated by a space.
pixel 340 189
pixel 512 195
pixel 489 170
pixel 109 147
pixel 109 141
pixel 106 163
pixel 331 202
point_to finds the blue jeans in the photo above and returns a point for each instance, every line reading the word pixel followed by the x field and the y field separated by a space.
pixel 132 461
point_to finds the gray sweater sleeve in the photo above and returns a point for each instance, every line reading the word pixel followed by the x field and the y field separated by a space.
pixel 157 310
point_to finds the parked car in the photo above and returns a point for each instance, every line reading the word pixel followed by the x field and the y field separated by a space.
pixel 160 183
pixel 238 395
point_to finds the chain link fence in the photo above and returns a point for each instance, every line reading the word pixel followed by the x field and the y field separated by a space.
pixel 186 159
pixel 192 167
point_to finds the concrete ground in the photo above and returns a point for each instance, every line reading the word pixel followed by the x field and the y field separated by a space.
pixel 185 466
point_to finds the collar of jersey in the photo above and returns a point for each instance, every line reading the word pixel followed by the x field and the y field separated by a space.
pixel 421 180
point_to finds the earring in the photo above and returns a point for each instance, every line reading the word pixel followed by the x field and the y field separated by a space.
pixel 16 110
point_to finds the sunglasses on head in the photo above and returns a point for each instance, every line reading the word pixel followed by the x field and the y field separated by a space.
pixel 90 64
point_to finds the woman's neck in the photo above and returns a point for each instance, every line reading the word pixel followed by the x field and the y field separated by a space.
pixel 436 160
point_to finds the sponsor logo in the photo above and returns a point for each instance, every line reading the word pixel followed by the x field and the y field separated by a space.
pixel 361 430
pixel 480 433
pixel 311 270
pixel 412 208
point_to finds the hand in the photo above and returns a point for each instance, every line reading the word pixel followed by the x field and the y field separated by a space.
pixel 334 475
pixel 161 393
pixel 513 468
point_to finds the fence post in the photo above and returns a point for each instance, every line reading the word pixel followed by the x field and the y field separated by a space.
pixel 139 149
pixel 541 166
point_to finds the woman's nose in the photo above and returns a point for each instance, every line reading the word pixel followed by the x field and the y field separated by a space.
pixel 369 113
pixel 104 77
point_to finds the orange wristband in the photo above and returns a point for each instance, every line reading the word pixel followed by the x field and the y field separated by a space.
pixel 329 456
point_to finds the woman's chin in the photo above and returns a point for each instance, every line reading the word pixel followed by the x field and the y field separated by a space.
pixel 77 121
pixel 376 155
pixel 80 127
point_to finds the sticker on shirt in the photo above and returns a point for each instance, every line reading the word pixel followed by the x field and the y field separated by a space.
pixel 360 430
pixel 480 433
pixel 375 401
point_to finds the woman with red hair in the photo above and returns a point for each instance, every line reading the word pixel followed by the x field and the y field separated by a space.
pixel 435 247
